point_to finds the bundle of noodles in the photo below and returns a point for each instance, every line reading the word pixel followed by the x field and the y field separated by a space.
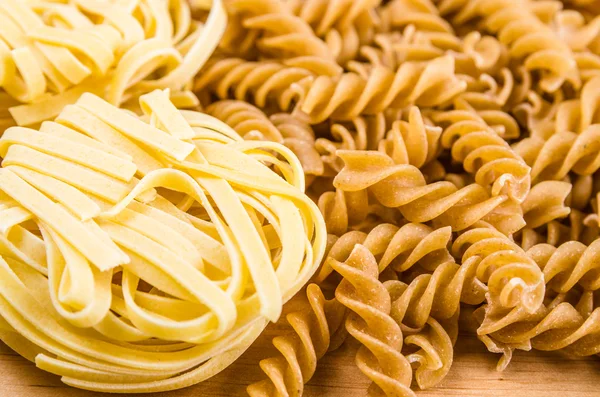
pixel 129 285
pixel 51 53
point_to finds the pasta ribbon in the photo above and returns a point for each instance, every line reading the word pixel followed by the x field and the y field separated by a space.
pixel 134 285
pixel 55 52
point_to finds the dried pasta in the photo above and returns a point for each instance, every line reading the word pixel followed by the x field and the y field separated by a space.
pixel 404 187
pixel 52 53
pixel 379 356
pixel 318 328
pixel 103 274
pixel 393 164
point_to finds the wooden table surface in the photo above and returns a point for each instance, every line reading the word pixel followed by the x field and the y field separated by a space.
pixel 531 374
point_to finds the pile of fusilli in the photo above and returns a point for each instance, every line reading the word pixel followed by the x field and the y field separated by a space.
pixel 453 147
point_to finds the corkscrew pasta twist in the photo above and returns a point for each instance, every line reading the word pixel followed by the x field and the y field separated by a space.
pixel 580 227
pixel 546 202
pixel 404 187
pixel 379 356
pixel 483 152
pixel 261 81
pixel 562 153
pixel 399 248
pixel 514 280
pixel 436 344
pixel 316 330
pixel 570 264
pixel 522 28
pixel 567 322
pixel 350 95
pixel 271 29
pixel 343 25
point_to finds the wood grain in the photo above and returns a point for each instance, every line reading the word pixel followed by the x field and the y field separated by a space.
pixel 531 374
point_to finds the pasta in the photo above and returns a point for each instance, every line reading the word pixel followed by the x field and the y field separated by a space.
pixel 568 265
pixel 251 123
pixel 514 281
pixel 175 171
pixel 344 25
pixel 379 356
pixel 270 29
pixel 404 187
pixel 54 53
pixel 483 152
pixel 317 329
pixel 522 29
pixel 350 95
pixel 400 248
pixel 264 80
pixel 148 311
pixel 566 322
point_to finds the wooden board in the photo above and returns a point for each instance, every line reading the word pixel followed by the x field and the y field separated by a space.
pixel 531 374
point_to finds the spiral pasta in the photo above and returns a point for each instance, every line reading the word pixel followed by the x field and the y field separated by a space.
pixel 379 356
pixel 522 28
pixel 350 94
pixel 404 187
pixel 514 281
pixel 568 265
pixel 271 29
pixel 315 328
pixel 562 153
pixel 399 248
pixel 261 81
pixel 567 322
pixel 483 152
pixel 344 25
pixel 435 344
pixel 580 227
pixel 156 312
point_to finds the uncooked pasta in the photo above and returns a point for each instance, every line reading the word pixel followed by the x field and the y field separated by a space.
pixel 52 53
pixel 175 171
pixel 172 275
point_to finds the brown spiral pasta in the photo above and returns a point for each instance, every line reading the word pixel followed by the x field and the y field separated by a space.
pixel 570 264
pixel 404 187
pixel 350 95
pixel 360 133
pixel 412 142
pixel 578 33
pixel 342 210
pixel 488 93
pixel 424 15
pixel 399 248
pixel 521 27
pixel 580 227
pixel 435 352
pixel 563 153
pixel 483 152
pixel 344 25
pixel 267 27
pixel 514 281
pixel 566 322
pixel 379 356
pixel 263 82
pixel 545 203
pixel 317 329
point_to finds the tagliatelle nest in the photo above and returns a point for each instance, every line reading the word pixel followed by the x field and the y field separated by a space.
pixel 52 53
pixel 127 285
